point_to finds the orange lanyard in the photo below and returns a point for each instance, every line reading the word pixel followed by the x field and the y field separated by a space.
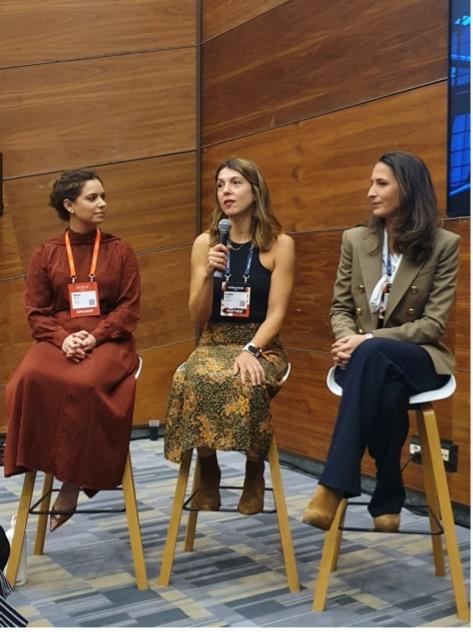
pixel 95 256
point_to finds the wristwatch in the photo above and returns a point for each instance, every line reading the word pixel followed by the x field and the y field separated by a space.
pixel 253 349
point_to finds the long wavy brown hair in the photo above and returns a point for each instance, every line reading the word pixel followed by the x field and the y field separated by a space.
pixel 266 226
pixel 418 217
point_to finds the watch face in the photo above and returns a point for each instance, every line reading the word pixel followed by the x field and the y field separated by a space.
pixel 254 350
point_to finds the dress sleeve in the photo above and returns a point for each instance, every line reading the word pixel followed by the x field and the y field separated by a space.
pixel 39 302
pixel 122 320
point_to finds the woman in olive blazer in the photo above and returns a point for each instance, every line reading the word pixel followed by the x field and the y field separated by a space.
pixel 394 289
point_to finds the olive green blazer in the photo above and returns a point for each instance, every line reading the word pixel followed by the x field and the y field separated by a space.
pixel 419 302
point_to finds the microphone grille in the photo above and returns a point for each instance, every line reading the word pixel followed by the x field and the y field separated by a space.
pixel 224 225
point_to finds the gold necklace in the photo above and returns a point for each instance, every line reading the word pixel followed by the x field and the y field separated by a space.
pixel 229 243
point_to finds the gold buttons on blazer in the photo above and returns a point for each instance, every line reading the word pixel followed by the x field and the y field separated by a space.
pixel 361 331
pixel 411 311
pixel 359 310
pixel 361 287
pixel 413 289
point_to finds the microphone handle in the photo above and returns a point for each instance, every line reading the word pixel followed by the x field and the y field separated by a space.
pixel 222 239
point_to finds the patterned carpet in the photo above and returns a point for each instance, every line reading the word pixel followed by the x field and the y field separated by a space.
pixel 235 576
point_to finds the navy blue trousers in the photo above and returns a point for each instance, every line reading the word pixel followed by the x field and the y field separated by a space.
pixel 379 379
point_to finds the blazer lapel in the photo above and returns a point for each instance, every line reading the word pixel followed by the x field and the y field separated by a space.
pixel 403 279
pixel 370 263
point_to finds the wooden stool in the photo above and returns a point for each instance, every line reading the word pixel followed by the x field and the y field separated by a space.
pixel 437 498
pixel 25 509
pixel 178 505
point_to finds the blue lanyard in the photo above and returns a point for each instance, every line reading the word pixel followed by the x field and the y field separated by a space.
pixel 389 268
pixel 246 273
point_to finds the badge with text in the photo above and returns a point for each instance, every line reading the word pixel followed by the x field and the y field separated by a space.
pixel 235 301
pixel 84 299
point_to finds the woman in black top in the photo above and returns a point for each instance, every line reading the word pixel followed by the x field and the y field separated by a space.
pixel 220 398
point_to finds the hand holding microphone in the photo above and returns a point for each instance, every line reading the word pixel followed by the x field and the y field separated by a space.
pixel 217 256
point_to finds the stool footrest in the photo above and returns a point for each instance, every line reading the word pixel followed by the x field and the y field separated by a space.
pixel 76 511
pixel 186 507
pixel 400 531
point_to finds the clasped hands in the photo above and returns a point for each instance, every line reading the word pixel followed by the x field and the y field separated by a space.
pixel 343 348
pixel 77 345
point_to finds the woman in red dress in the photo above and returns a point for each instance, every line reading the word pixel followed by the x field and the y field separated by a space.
pixel 70 401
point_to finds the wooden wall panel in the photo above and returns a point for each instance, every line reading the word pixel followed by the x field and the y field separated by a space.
pixel 165 290
pixel 15 336
pixel 318 170
pixel 304 59
pixel 110 84
pixel 10 262
pixel 151 204
pixel 90 28
pixel 92 112
pixel 222 15
pixel 304 411
pixel 153 385
pixel 307 324
pixel 457 334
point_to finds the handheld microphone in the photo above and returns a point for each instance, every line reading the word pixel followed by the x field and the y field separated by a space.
pixel 223 228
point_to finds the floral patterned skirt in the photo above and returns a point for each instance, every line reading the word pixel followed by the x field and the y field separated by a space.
pixel 209 406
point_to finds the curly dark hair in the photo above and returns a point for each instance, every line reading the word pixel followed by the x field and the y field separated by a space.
pixel 418 218
pixel 69 186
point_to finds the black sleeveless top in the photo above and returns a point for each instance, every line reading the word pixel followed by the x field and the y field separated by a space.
pixel 259 282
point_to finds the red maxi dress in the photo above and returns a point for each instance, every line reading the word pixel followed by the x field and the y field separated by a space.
pixel 74 420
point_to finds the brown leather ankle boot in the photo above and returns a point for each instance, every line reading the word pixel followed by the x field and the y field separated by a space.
pixel 322 507
pixel 388 523
pixel 252 497
pixel 208 494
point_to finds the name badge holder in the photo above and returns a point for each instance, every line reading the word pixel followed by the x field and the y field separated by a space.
pixel 83 297
pixel 235 301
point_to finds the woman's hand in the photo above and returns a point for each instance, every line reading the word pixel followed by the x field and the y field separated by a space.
pixel 343 348
pixel 217 258
pixel 72 347
pixel 249 368
pixel 78 344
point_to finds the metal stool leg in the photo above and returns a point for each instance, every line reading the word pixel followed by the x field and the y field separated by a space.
pixel 20 527
pixel 328 558
pixel 193 515
pixel 440 478
pixel 174 522
pixel 283 522
pixel 430 496
pixel 43 518
pixel 129 497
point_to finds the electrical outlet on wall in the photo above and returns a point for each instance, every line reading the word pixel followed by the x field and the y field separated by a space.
pixel 448 448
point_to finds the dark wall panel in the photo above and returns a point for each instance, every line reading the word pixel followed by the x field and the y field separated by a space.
pixel 164 287
pixel 222 15
pixel 304 59
pixel 97 111
pixel 318 170
pixel 51 30
pixel 159 364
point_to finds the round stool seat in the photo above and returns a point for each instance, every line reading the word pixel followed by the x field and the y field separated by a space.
pixel 420 398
